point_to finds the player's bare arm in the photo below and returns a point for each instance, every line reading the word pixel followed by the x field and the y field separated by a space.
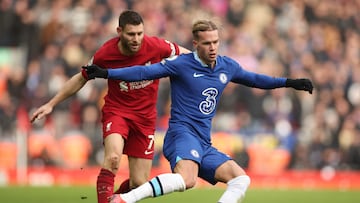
pixel 73 85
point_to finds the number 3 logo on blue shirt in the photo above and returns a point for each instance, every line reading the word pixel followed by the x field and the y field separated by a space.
pixel 208 105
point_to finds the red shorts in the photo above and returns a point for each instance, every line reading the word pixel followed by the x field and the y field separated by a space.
pixel 139 136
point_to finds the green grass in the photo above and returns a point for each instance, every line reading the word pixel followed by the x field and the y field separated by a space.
pixel 87 194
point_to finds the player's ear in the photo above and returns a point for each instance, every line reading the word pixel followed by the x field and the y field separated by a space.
pixel 119 30
pixel 195 43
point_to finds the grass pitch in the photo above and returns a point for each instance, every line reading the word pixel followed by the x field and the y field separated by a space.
pixel 88 194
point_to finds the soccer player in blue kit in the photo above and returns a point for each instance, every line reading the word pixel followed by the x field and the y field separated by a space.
pixel 197 82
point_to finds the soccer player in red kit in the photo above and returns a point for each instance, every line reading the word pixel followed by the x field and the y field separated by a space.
pixel 129 112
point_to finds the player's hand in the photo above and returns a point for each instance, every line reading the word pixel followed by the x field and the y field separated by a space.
pixel 41 112
pixel 93 71
pixel 300 84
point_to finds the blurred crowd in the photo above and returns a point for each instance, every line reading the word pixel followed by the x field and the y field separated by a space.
pixel 316 39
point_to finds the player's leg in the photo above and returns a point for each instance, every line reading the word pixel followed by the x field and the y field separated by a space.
pixel 158 186
pixel 236 179
pixel 105 181
pixel 139 171
pixel 219 167
pixel 163 184
pixel 140 150
pixel 124 187
pixel 185 169
pixel 115 131
pixel 184 156
pixel 188 169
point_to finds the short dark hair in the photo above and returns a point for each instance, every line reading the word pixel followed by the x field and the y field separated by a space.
pixel 130 17
pixel 201 26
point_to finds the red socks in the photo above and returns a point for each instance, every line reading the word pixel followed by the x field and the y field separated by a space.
pixel 104 185
pixel 124 187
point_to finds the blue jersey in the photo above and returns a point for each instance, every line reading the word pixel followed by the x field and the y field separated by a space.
pixel 195 87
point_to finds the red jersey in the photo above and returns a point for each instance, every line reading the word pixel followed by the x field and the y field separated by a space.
pixel 133 100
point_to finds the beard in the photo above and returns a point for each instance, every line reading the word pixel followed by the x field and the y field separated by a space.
pixel 130 48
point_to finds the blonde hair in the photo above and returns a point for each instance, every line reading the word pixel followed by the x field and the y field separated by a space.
pixel 201 26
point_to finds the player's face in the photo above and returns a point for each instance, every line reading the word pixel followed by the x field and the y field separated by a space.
pixel 207 46
pixel 131 38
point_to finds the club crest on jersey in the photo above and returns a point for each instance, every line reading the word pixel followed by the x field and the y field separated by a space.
pixel 195 153
pixel 108 126
pixel 223 78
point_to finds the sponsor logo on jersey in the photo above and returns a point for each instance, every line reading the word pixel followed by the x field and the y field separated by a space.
pixel 123 86
pixel 147 152
pixel 208 105
pixel 140 84
pixel 196 75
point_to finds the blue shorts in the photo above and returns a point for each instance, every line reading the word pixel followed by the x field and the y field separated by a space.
pixel 183 144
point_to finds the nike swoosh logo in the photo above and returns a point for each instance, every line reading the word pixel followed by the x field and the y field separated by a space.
pixel 196 75
pixel 148 152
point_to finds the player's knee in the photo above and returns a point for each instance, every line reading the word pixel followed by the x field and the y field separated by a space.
pixel 188 170
pixel 190 182
pixel 112 161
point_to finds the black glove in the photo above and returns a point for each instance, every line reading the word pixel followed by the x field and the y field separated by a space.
pixel 94 71
pixel 300 84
